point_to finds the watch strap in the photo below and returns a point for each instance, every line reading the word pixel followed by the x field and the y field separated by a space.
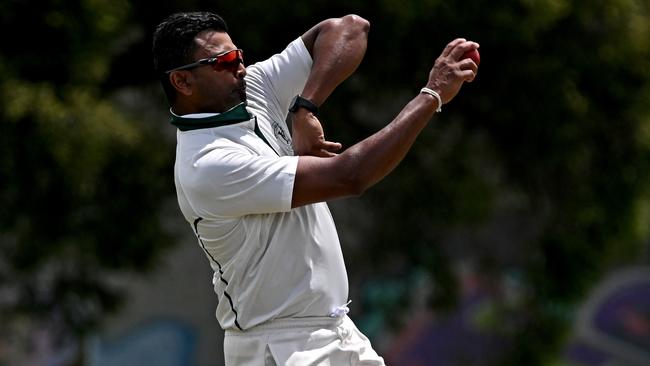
pixel 300 102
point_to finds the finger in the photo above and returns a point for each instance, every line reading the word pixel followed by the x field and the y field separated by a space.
pixel 466 75
pixel 451 46
pixel 331 146
pixel 321 153
pixel 461 48
pixel 468 64
pixel 327 154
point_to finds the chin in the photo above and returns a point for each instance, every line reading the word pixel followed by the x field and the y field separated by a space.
pixel 234 103
pixel 242 96
pixel 236 100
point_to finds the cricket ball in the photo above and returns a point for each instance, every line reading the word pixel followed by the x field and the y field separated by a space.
pixel 474 55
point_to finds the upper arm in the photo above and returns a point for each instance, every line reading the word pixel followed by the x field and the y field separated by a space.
pixel 309 37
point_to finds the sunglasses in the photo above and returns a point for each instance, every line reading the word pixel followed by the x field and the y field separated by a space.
pixel 228 60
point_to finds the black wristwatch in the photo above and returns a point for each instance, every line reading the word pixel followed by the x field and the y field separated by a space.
pixel 300 102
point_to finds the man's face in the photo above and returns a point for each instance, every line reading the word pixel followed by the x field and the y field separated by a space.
pixel 217 90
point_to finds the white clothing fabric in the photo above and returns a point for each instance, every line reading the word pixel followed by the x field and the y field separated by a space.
pixel 269 261
pixel 301 342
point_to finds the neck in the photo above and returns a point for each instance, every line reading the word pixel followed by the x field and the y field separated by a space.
pixel 181 109
pixel 184 106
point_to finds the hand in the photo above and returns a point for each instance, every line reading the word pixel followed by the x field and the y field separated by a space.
pixel 308 137
pixel 449 72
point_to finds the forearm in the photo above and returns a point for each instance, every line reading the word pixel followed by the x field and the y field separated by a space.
pixel 372 159
pixel 337 47
pixel 365 163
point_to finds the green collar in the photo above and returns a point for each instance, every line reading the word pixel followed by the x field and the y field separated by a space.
pixel 236 114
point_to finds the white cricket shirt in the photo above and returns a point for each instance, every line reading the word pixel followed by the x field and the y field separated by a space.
pixel 269 261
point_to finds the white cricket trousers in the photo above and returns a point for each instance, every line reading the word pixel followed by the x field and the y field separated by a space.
pixel 301 342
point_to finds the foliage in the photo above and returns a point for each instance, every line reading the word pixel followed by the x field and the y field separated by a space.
pixel 553 135
pixel 540 167
pixel 82 183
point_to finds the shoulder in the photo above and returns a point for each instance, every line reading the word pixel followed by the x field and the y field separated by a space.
pixel 200 148
pixel 295 52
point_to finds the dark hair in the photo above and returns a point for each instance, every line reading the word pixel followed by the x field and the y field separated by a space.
pixel 173 42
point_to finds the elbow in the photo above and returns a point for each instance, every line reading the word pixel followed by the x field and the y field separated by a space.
pixel 354 183
pixel 351 187
pixel 357 188
pixel 350 24
pixel 356 23
pixel 356 172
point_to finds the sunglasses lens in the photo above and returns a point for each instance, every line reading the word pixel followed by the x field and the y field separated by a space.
pixel 229 61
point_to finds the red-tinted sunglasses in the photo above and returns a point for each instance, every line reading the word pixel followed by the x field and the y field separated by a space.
pixel 228 60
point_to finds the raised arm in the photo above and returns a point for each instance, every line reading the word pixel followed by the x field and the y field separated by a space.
pixel 337 47
pixel 364 164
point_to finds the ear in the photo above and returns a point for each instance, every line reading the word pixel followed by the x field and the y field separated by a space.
pixel 182 81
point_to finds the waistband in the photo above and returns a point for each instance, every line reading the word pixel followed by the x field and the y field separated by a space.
pixel 289 323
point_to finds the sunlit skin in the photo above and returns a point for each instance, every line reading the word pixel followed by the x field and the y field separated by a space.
pixel 337 47
pixel 204 89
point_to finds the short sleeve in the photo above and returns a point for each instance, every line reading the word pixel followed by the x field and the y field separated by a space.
pixel 231 182
pixel 272 84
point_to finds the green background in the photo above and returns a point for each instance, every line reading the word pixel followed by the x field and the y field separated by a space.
pixel 536 174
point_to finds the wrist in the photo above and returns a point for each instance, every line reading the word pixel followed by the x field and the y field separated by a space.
pixel 435 96
pixel 301 114
pixel 300 103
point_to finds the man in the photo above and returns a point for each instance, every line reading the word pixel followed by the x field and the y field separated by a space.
pixel 255 195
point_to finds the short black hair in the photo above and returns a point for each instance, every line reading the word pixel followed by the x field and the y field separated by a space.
pixel 173 42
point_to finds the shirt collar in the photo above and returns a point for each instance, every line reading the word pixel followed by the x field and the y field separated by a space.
pixel 195 121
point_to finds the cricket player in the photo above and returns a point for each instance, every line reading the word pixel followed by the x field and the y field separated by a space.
pixel 254 193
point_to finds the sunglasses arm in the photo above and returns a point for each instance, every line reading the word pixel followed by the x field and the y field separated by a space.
pixel 205 61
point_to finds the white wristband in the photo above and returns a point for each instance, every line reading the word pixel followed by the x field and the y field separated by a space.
pixel 435 95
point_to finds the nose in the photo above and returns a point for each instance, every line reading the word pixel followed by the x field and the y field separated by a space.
pixel 241 71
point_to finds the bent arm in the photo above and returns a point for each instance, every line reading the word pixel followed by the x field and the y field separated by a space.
pixel 367 162
pixel 337 47
pixel 364 164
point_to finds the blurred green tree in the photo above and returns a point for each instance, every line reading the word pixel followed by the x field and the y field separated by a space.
pixel 554 135
pixel 83 183
pixel 549 148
